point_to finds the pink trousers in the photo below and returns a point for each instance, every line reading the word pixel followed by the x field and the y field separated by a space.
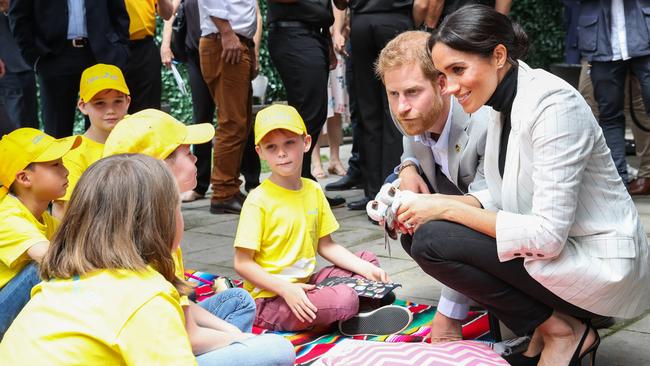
pixel 334 303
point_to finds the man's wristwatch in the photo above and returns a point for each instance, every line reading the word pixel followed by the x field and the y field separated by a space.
pixel 405 164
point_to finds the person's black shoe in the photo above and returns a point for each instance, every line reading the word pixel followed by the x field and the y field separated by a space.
pixel 359 205
pixel 336 201
pixel 230 205
pixel 344 184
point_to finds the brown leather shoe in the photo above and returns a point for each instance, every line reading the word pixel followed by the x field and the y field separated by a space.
pixel 230 205
pixel 639 186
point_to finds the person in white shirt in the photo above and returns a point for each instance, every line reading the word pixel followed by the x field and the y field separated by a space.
pixel 227 53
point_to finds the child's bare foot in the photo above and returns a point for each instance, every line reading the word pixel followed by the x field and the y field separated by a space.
pixel 445 329
pixel 337 168
pixel 317 171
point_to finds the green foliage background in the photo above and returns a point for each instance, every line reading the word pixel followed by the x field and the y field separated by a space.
pixel 542 20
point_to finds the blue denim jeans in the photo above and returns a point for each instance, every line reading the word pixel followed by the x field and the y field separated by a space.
pixel 236 306
pixel 265 349
pixel 15 294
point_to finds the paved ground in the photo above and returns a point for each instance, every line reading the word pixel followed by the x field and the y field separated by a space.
pixel 207 246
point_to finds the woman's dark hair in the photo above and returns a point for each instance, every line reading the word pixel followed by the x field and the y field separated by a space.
pixel 478 29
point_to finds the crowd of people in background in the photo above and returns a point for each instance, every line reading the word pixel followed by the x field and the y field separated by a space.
pixel 506 160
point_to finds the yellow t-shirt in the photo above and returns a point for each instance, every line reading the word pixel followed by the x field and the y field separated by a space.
pixel 283 227
pixel 78 160
pixel 142 16
pixel 108 317
pixel 179 270
pixel 19 230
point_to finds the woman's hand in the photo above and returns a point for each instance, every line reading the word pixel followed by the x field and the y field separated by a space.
pixel 414 213
pixel 296 298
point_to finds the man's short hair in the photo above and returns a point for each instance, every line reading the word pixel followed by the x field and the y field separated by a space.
pixel 405 49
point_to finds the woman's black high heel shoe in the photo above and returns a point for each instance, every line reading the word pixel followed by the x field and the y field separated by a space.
pixel 518 359
pixel 577 358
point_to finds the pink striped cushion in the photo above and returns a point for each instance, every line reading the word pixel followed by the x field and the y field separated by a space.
pixel 365 353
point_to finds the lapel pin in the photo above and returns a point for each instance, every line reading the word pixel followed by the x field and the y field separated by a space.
pixel 457 148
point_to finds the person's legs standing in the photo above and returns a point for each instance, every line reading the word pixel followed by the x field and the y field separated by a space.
pixel 202 112
pixel 230 87
pixel 142 74
pixel 18 91
pixel 381 139
pixel 15 294
pixel 640 124
pixel 250 164
pixel 234 305
pixel 58 78
pixel 608 79
pixel 302 59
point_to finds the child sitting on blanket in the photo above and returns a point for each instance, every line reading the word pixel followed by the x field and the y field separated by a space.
pixel 31 176
pixel 219 326
pixel 109 295
pixel 283 224
pixel 104 98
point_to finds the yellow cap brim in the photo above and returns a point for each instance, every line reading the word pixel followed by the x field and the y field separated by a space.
pixel 88 94
pixel 198 134
pixel 58 148
pixel 289 127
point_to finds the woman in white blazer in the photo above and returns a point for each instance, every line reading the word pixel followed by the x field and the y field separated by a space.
pixel 555 238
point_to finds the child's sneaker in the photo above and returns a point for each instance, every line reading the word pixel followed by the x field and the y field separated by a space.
pixel 386 320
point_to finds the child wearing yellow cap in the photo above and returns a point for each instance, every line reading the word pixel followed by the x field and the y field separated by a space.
pixel 284 223
pixel 104 98
pixel 218 327
pixel 32 175
pixel 109 294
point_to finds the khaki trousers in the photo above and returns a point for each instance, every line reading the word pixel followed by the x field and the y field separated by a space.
pixel 230 87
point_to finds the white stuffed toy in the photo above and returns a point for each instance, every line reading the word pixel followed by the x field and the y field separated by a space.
pixel 386 204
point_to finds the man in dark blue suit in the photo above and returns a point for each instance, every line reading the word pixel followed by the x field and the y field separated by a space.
pixel 61 39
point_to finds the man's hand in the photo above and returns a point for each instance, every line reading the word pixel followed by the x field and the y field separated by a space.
pixel 295 296
pixel 166 56
pixel 4 6
pixel 231 47
pixel 410 180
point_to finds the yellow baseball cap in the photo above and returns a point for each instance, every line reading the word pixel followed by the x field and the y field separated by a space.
pixel 278 116
pixel 101 77
pixel 28 145
pixel 154 133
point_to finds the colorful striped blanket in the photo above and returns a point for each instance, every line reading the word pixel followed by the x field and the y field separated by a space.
pixel 311 345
